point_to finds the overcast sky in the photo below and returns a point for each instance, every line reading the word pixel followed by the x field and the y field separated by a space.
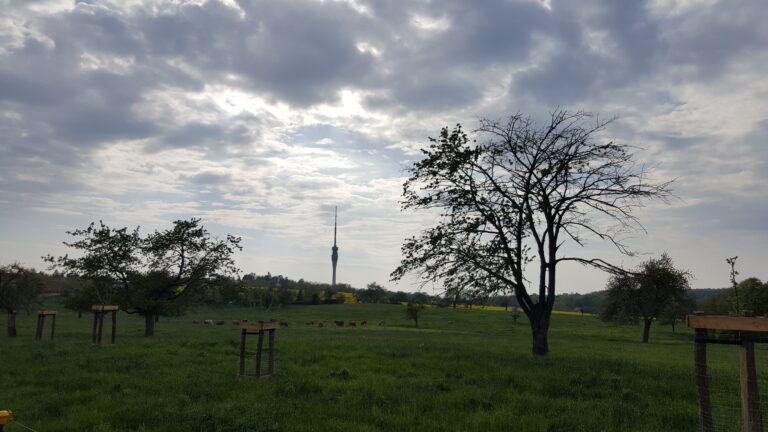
pixel 260 116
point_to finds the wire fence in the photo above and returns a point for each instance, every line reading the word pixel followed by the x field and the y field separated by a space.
pixel 724 372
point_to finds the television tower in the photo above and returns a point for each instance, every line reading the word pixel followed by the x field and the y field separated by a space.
pixel 334 249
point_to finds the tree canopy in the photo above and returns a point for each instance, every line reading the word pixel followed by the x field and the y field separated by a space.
pixel 150 275
pixel 19 288
pixel 514 195
pixel 653 290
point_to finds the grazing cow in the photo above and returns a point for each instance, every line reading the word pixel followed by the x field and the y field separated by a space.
pixel 283 324
pixel 235 322
pixel 320 324
pixel 208 322
pixel 219 322
pixel 339 323
pixel 352 324
pixel 362 323
pixel 382 323
pixel 195 322
pixel 310 323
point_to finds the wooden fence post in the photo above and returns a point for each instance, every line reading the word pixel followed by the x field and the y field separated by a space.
pixel 751 417
pixel 242 351
pixel 702 378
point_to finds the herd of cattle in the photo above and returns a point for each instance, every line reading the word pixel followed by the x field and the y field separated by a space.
pixel 285 324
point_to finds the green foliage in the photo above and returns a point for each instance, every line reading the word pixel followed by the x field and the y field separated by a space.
pixel 373 293
pixel 96 291
pixel 752 294
pixel 155 275
pixel 646 293
pixel 19 288
pixel 413 310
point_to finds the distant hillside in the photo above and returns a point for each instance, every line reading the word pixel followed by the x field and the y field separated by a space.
pixel 590 303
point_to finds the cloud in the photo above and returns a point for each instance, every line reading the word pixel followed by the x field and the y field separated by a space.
pixel 260 116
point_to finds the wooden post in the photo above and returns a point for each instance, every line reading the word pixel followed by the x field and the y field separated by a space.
pixel 259 347
pixel 95 326
pixel 751 417
pixel 242 351
pixel 39 328
pixel 101 325
pixel 114 325
pixel 271 353
pixel 702 381
pixel 53 326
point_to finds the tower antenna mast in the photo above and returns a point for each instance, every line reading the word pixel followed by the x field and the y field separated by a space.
pixel 334 249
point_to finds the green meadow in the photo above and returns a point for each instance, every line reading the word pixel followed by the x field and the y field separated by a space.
pixel 462 370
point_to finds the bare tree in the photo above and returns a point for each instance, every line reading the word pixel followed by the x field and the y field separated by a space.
pixel 515 197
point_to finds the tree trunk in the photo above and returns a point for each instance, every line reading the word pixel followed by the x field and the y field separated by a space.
pixel 647 329
pixel 540 329
pixel 149 324
pixel 11 323
pixel 673 325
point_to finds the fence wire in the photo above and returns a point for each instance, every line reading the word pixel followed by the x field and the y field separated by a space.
pixel 723 371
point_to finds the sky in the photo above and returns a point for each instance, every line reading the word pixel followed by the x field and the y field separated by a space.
pixel 259 117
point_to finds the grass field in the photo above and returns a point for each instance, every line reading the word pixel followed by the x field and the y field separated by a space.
pixel 463 370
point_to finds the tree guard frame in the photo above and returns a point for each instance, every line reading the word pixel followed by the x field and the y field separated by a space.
pixel 98 322
pixel 745 326
pixel 258 328
pixel 41 323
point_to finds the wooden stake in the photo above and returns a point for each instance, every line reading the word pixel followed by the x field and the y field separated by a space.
pixel 751 417
pixel 259 347
pixel 114 325
pixel 101 325
pixel 702 380
pixel 95 324
pixel 271 353
pixel 242 351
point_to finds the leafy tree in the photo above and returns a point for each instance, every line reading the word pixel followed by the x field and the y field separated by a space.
pixel 19 288
pixel 717 304
pixel 413 310
pixel 677 310
pixel 516 197
pixel 645 293
pixel 95 291
pixel 152 275
pixel 752 296
pixel 373 293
